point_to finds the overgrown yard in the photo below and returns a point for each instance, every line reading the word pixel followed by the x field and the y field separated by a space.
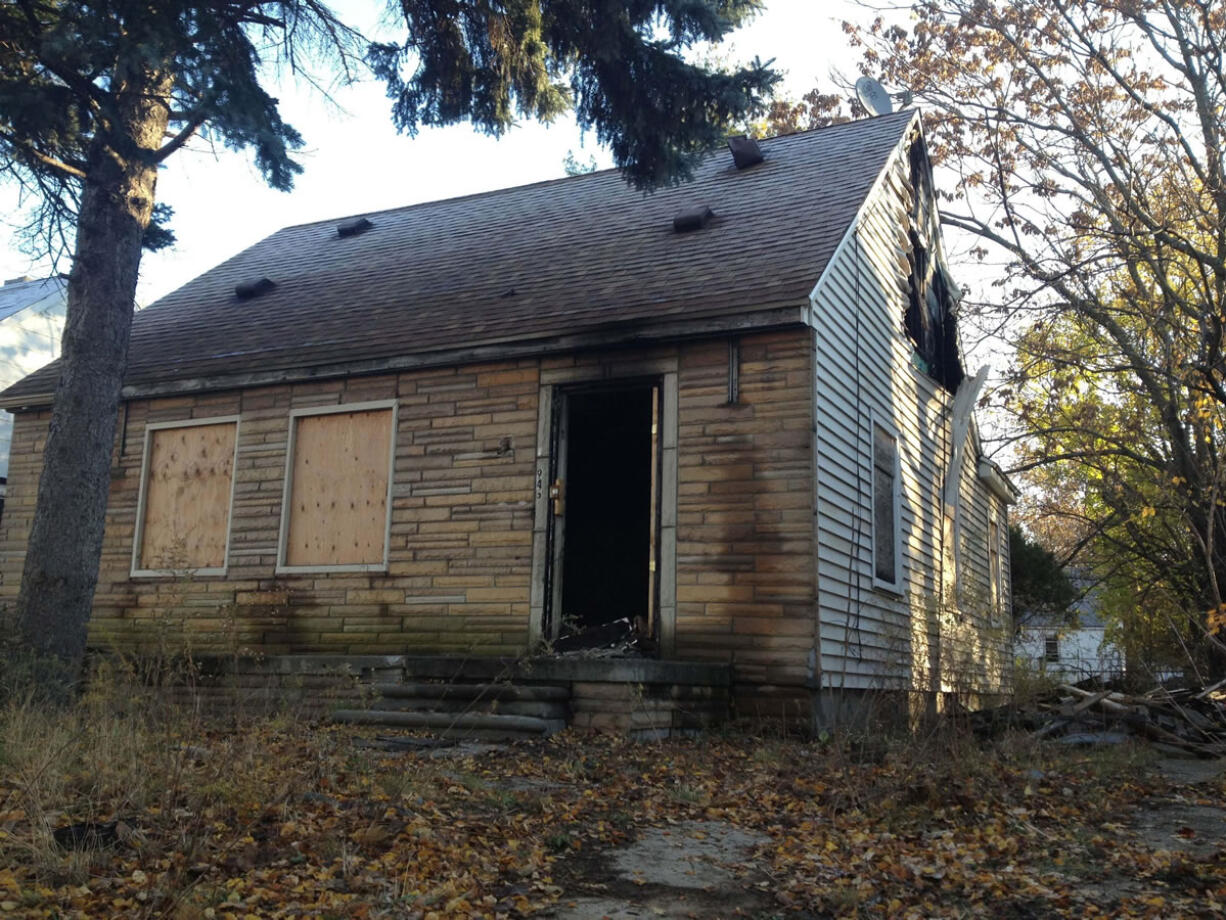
pixel 279 817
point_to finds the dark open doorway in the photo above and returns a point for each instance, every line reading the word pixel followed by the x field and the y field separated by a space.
pixel 606 532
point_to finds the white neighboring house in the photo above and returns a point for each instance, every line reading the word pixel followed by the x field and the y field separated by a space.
pixel 1071 653
pixel 31 322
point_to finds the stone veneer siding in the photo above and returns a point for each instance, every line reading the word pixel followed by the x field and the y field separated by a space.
pixel 460 551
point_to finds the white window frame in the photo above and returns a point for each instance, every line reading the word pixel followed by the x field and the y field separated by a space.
pixel 1051 640
pixel 138 535
pixel 287 488
pixel 996 584
pixel 880 584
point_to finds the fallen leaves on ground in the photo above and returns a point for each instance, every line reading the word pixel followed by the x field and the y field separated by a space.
pixel 276 818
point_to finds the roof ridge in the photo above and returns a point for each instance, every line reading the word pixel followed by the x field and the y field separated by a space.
pixel 20 282
pixel 456 198
pixel 558 180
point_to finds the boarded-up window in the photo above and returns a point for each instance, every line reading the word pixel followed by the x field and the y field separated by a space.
pixel 885 505
pixel 337 502
pixel 187 487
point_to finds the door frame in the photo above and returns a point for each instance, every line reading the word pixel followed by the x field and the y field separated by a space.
pixel 546 538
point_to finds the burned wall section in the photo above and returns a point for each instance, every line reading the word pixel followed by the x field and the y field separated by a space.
pixel 745 552
pixel 930 313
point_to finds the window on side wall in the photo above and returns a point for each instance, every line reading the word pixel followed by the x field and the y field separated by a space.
pixel 337 501
pixel 887 552
pixel 994 565
pixel 1051 648
pixel 186 490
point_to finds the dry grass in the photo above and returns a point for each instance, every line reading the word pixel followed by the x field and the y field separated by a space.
pixel 181 788
pixel 271 816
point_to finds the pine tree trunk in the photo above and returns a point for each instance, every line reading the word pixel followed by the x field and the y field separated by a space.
pixel 65 542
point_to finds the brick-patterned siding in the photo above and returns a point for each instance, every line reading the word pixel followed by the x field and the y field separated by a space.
pixel 459 558
pixel 25 465
pixel 745 564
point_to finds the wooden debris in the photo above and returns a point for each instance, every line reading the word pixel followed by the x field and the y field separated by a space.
pixel 1191 722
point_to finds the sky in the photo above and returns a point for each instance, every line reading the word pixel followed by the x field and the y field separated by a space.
pixel 355 161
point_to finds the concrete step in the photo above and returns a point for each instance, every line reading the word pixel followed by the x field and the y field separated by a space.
pixel 539 710
pixel 452 723
pixel 486 691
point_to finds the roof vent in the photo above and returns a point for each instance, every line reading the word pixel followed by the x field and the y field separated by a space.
pixel 248 289
pixel 19 280
pixel 353 227
pixel 692 218
pixel 745 151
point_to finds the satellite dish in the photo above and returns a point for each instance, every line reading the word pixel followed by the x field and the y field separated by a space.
pixel 872 96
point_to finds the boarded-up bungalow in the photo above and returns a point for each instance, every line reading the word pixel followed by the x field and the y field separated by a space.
pixel 732 413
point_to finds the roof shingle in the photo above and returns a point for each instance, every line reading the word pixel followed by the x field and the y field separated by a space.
pixel 581 254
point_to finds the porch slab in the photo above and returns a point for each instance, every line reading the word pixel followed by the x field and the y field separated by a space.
pixel 566 669
pixel 642 697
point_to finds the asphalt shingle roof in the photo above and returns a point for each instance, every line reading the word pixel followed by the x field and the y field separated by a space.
pixel 581 255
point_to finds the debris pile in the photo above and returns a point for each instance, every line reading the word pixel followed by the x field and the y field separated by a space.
pixel 1186 722
pixel 623 638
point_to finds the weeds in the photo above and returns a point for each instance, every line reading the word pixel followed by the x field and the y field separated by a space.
pixel 263 816
pixel 177 789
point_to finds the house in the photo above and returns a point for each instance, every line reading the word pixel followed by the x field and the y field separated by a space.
pixel 1070 651
pixel 1070 645
pixel 728 417
pixel 31 322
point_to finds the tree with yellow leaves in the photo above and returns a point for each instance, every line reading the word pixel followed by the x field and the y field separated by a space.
pixel 1087 139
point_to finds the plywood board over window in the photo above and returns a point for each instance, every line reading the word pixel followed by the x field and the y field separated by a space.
pixel 187 487
pixel 337 493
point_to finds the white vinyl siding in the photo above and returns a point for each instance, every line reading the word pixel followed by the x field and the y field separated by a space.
pixel 865 374
pixel 985 622
pixel 994 565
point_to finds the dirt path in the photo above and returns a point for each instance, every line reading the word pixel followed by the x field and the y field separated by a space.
pixel 1191 817
pixel 687 869
pixel 709 869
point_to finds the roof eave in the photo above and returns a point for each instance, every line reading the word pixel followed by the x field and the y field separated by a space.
pixel 701 327
pixel 998 482
pixel 904 141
